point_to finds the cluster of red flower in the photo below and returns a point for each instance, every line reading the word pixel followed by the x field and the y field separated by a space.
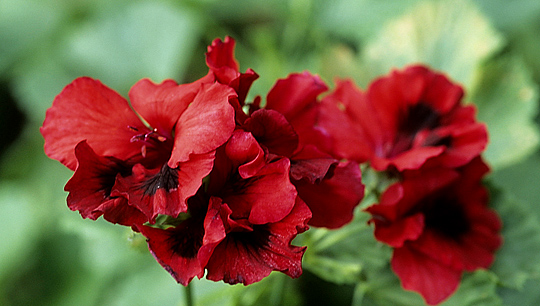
pixel 210 187
pixel 412 126
pixel 220 185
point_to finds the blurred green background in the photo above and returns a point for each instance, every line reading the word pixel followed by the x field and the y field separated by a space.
pixel 49 255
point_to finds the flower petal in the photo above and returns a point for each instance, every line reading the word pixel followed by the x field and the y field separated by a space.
pixel 176 248
pixel 162 104
pixel 248 257
pixel 206 124
pixel 88 110
pixel 164 190
pixel 90 188
pixel 291 95
pixel 333 199
pixel 418 272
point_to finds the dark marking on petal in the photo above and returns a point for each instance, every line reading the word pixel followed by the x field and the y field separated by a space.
pixel 167 179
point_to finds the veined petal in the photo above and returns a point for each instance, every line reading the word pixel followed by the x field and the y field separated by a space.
pixel 272 130
pixel 176 248
pixel 88 110
pixel 164 190
pixel 332 200
pixel 90 188
pixel 249 256
pixel 206 124
pixel 294 93
pixel 162 104
pixel 418 272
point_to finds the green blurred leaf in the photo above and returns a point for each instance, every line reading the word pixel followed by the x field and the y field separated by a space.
pixel 143 40
pixel 507 100
pixel 451 36
pixel 528 295
pixel 24 26
pixel 360 19
pixel 510 15
pixel 519 257
pixel 382 288
pixel 521 181
pixel 476 289
pixel 342 255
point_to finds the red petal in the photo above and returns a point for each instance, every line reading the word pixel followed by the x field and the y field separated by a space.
pixel 418 272
pixel 164 191
pixel 90 188
pixel 244 152
pixel 272 130
pixel 248 257
pixel 205 125
pixel 221 54
pixel 162 104
pixel 176 248
pixel 332 201
pixel 291 95
pixel 86 109
pixel 348 128
pixel 268 196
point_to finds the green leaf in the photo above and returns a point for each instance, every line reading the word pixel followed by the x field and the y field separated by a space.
pixel 519 257
pixel 528 295
pixel 476 289
pixel 506 98
pixel 342 255
pixel 382 288
pixel 143 40
pixel 24 26
pixel 360 19
pixel 451 36
pixel 521 181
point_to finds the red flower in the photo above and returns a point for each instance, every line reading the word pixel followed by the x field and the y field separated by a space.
pixel 154 157
pixel 253 215
pixel 403 120
pixel 439 225
pixel 331 189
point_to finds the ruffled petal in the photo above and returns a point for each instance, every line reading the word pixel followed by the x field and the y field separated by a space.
pixel 332 200
pixel 249 256
pixel 266 197
pixel 419 273
pixel 291 95
pixel 176 248
pixel 272 130
pixel 90 188
pixel 205 125
pixel 88 110
pixel 164 190
pixel 162 104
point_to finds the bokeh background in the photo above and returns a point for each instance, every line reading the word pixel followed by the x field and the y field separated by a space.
pixel 49 255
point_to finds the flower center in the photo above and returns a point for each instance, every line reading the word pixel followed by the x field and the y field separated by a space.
pixel 151 139
pixel 418 117
pixel 167 179
pixel 447 217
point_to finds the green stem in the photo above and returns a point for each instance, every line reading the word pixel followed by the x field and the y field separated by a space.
pixel 188 294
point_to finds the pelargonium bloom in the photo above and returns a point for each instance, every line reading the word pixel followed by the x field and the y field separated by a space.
pixel 403 120
pixel 287 126
pixel 148 155
pixel 439 225
pixel 253 213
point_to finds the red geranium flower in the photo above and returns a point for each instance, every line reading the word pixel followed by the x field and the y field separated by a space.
pixel 439 225
pixel 153 153
pixel 253 215
pixel 402 120
pixel 287 126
